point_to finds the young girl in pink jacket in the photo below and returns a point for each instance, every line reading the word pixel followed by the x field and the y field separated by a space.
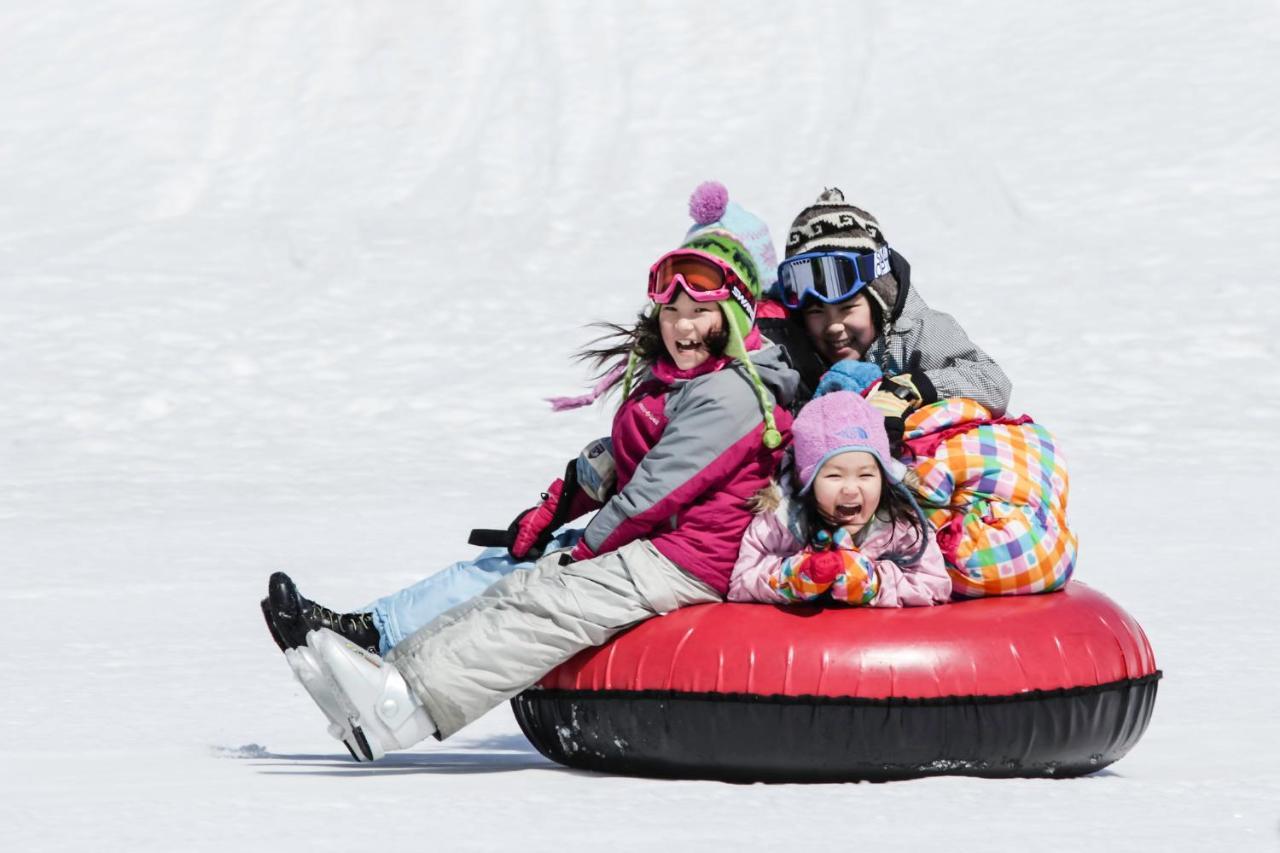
pixel 700 430
pixel 844 524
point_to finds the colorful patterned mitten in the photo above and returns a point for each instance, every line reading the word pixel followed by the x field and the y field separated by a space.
pixel 828 564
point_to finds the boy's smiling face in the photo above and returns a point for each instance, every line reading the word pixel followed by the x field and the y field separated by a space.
pixel 841 331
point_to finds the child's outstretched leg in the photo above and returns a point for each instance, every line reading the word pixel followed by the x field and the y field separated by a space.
pixel 484 652
pixel 379 626
pixel 399 615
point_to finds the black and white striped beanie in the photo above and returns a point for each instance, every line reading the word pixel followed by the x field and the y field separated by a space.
pixel 831 224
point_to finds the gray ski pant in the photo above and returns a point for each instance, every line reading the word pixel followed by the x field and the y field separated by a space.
pixel 485 651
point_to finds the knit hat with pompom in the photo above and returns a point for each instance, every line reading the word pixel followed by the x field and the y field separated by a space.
pixel 713 213
pixel 831 224
pixel 727 230
pixel 740 238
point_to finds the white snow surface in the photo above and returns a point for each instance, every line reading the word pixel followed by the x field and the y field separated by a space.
pixel 282 285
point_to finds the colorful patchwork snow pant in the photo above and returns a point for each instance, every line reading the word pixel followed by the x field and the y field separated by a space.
pixel 1002 485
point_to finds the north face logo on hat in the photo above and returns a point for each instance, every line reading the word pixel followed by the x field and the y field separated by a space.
pixel 853 432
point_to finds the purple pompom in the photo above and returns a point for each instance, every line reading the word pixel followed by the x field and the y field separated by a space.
pixel 708 202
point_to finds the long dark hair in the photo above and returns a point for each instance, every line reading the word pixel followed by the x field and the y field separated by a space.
pixel 894 506
pixel 644 338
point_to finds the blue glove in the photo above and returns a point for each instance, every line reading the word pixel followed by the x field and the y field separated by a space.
pixel 849 375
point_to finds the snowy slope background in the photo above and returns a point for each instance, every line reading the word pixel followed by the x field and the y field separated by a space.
pixel 282 285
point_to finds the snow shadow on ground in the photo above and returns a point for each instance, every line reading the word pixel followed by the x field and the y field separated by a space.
pixel 499 754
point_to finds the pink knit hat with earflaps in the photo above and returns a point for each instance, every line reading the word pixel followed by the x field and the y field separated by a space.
pixel 837 423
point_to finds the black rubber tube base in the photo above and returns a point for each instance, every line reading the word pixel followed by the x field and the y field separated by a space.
pixel 748 738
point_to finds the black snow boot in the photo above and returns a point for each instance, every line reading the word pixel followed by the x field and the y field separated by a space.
pixel 290 616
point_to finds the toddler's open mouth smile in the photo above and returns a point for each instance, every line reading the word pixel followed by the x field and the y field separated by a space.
pixel 848 511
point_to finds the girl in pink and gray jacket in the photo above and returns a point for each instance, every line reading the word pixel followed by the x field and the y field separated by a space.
pixel 701 429
pixel 842 525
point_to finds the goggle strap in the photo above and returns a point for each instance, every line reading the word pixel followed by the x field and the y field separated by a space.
pixel 874 265
pixel 739 293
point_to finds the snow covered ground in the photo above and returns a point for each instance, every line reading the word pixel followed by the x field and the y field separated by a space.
pixel 282 285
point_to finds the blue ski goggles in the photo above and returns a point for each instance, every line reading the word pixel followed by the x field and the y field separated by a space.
pixel 829 276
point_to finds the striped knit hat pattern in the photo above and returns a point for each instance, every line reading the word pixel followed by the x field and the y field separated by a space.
pixel 831 224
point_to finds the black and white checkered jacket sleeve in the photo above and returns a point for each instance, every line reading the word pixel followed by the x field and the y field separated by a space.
pixel 954 364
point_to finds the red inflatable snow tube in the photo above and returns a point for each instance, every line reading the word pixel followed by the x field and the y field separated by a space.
pixel 1060 684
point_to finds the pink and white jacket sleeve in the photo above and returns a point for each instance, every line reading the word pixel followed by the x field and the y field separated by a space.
pixel 765 545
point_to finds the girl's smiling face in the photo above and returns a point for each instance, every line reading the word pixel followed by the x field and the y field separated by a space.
pixel 686 328
pixel 840 331
pixel 847 489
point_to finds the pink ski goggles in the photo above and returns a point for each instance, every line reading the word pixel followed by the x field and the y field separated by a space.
pixel 705 277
